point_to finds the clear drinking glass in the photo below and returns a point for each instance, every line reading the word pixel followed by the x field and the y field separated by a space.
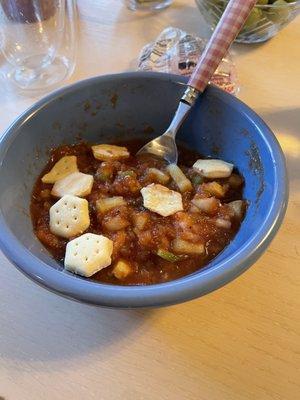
pixel 147 4
pixel 38 41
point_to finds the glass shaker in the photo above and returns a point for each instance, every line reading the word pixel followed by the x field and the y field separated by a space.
pixel 37 39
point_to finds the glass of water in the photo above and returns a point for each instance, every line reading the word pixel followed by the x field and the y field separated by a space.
pixel 147 4
pixel 37 38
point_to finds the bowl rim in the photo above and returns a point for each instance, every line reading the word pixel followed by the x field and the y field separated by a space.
pixel 173 292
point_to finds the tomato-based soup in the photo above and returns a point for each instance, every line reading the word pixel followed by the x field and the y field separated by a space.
pixel 153 247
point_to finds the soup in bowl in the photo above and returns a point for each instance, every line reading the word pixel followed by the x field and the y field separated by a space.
pixel 166 258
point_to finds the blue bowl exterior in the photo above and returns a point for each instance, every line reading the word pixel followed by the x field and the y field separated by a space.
pixel 123 106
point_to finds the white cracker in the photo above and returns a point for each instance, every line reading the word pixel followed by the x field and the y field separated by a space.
pixel 106 152
pixel 65 166
pixel 69 216
pixel 208 205
pixel 161 200
pixel 76 184
pixel 88 254
pixel 213 168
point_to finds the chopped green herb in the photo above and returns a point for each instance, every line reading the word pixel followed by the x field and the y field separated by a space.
pixel 197 180
pixel 167 255
pixel 130 173
pixel 103 176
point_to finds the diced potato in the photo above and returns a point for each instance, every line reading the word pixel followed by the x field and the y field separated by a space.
pixel 186 225
pixel 76 184
pixel 163 201
pixel 194 209
pixel 184 220
pixel 88 254
pixel 106 152
pixel 238 208
pixel 106 204
pixel 215 189
pixel 213 168
pixel 183 183
pixel 183 247
pixel 126 183
pixel 122 269
pixel 115 223
pixel 208 205
pixel 140 220
pixel 160 176
pixel 65 166
pixel 223 223
pixel 145 238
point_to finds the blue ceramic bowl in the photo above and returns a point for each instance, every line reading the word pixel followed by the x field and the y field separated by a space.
pixel 125 106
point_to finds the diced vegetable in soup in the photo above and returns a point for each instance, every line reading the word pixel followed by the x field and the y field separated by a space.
pixel 114 217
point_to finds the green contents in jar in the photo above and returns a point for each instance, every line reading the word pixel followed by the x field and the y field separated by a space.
pixel 279 13
pixel 264 21
pixel 254 18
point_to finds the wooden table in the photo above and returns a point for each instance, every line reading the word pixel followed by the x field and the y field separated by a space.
pixel 238 343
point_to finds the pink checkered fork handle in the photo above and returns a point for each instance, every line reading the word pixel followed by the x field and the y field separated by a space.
pixel 226 31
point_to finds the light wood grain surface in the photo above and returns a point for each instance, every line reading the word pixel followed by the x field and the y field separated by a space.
pixel 238 343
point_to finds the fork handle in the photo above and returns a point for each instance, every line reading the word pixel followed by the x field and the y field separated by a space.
pixel 226 31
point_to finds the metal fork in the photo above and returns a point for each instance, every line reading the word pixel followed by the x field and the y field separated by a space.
pixel 226 31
